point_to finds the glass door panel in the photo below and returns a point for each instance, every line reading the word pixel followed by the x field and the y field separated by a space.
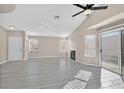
pixel 110 44
pixel 122 51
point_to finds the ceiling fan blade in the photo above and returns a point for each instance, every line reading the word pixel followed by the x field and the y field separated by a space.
pixel 91 5
pixel 77 13
pixel 99 8
pixel 78 5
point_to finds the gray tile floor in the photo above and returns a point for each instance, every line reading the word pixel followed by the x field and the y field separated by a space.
pixel 45 73
pixel 110 80
pixel 48 73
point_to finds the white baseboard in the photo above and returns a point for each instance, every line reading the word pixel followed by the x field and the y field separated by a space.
pixel 2 62
pixel 45 56
pixel 17 60
pixel 87 63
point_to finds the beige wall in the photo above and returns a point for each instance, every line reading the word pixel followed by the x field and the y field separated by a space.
pixel 49 46
pixel 3 44
pixel 76 39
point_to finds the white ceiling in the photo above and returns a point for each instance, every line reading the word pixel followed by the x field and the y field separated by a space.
pixel 38 19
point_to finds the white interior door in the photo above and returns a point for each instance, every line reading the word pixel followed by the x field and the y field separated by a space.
pixel 15 48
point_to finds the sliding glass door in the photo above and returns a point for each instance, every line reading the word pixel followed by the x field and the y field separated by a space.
pixel 110 50
pixel 122 51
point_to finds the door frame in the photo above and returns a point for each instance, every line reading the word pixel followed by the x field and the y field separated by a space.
pixel 100 46
pixel 21 50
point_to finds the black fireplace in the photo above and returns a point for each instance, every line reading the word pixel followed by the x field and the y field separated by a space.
pixel 73 54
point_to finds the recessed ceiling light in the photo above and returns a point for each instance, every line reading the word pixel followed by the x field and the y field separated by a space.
pixel 12 27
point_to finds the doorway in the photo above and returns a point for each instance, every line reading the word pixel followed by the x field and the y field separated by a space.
pixel 15 48
pixel 110 50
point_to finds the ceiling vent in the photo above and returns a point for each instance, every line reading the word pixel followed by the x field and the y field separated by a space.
pixel 56 17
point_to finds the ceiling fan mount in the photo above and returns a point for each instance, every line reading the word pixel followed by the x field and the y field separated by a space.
pixel 88 8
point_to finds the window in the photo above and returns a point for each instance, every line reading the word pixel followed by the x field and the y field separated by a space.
pixel 90 46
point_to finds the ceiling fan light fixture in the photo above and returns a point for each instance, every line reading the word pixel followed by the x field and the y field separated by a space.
pixel 88 11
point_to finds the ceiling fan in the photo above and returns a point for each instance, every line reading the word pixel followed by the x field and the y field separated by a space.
pixel 88 8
